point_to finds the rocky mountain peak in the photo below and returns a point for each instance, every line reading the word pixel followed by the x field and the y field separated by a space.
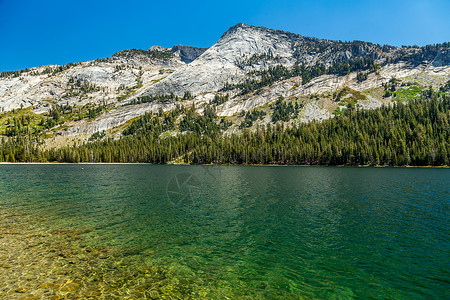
pixel 236 27
pixel 158 48
pixel 227 61
pixel 242 27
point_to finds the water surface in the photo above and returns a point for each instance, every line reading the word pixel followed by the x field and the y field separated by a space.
pixel 254 232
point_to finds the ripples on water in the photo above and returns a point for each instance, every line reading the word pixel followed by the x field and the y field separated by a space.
pixel 257 232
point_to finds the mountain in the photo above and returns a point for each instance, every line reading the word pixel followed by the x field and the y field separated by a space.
pixel 247 70
pixel 244 49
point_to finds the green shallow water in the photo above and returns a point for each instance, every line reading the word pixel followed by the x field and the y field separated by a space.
pixel 255 232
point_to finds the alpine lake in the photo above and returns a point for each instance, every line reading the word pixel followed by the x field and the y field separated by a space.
pixel 123 231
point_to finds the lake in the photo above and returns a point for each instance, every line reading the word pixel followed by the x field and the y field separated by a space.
pixel 218 232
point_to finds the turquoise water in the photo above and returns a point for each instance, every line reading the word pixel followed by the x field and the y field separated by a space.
pixel 256 232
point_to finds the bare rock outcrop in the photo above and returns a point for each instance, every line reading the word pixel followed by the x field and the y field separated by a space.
pixel 238 56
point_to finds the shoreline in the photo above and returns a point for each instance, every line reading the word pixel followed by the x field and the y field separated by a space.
pixel 250 165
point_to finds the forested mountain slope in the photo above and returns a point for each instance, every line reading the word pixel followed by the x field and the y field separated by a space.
pixel 252 79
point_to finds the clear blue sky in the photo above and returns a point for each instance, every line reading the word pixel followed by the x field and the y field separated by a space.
pixel 34 33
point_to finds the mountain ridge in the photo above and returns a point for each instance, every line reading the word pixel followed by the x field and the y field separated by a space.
pixel 248 68
pixel 289 46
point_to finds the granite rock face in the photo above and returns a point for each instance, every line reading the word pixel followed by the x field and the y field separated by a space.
pixel 238 55
pixel 244 49
pixel 222 62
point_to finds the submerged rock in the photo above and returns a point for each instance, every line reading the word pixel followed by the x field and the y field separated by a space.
pixel 20 290
pixel 30 297
pixel 69 287
pixel 93 292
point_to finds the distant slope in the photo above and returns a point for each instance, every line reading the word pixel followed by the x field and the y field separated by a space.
pixel 247 70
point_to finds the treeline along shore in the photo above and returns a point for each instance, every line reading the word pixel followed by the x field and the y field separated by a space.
pixel 416 133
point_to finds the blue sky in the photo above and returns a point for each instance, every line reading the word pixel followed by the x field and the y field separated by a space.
pixel 34 33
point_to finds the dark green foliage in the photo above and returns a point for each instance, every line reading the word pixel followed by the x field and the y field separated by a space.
pixel 415 133
pixel 267 77
pixel 155 54
pixel 361 76
pixel 60 110
pixel 346 67
pixel 94 112
pixel 47 70
pixel 18 126
pixel 30 124
pixel 387 93
pixel 119 68
pixel 22 148
pixel 55 114
pixel 205 124
pixel 154 124
pixel 283 111
pixel 252 116
pixel 218 99
pixel 258 58
pixel 61 113
pixel 446 87
pixel 156 98
pixel 354 48
pixel 62 68
pixel 337 96
pixel 78 87
pixel 390 88
pixel 227 87
pixel 5 74
pixel 160 98
pixel 347 97
pixel 278 73
pixel 188 96
pixel 97 135
pixel 224 123
pixel 417 55
pixel 308 73
pixel 102 59
pixel 164 55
